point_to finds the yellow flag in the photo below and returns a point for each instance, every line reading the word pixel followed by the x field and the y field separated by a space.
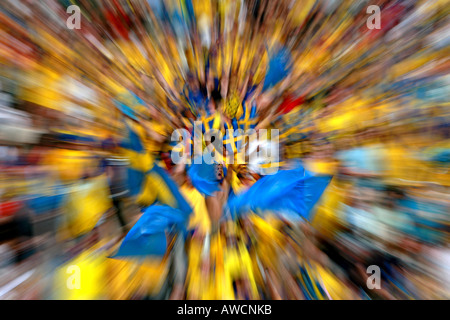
pixel 87 202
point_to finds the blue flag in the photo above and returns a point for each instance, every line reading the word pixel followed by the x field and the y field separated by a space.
pixel 292 192
pixel 280 64
pixel 203 177
pixel 147 237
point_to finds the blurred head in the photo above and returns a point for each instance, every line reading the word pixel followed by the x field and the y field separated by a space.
pixel 219 171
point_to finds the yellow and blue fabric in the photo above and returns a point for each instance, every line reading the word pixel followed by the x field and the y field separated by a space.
pixel 239 126
pixel 245 122
pixel 291 125
pixel 45 195
pixel 73 137
pixel 248 118
pixel 147 181
pixel 332 287
pixel 147 237
pixel 280 65
pixel 187 10
pixel 292 193
pixel 215 68
pixel 199 220
pixel 209 120
pixel 250 91
pixel 195 100
pixel 233 139
pixel 135 151
pixel 186 148
pixel 203 177
pixel 309 284
pixel 130 104
pixel 232 107
pixel 125 277
pixel 44 203
pixel 86 203
pixel 159 187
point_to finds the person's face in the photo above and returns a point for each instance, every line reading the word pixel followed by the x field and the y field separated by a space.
pixel 219 172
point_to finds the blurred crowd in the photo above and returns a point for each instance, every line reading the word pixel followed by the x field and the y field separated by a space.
pixel 369 107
